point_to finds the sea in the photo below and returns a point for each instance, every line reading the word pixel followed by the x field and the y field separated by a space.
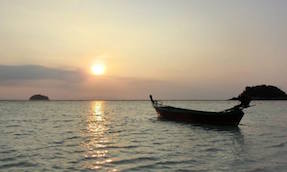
pixel 128 136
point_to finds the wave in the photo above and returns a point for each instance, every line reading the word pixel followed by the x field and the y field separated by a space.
pixel 134 160
pixel 18 164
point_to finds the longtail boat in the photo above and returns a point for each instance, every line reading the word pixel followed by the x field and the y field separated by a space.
pixel 231 117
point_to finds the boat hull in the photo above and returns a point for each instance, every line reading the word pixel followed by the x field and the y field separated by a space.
pixel 231 118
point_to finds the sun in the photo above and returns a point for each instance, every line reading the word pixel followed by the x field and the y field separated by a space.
pixel 98 69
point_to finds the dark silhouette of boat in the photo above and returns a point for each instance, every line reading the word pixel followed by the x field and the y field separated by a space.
pixel 231 117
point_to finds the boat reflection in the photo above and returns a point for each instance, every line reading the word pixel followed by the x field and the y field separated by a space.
pixel 225 139
pixel 96 154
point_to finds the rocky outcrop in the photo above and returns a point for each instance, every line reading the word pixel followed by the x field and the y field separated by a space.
pixel 263 92
pixel 39 97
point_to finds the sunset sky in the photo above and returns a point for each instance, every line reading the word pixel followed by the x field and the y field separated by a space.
pixel 174 49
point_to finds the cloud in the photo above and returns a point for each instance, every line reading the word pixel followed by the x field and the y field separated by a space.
pixel 19 82
pixel 37 72
pixel 22 81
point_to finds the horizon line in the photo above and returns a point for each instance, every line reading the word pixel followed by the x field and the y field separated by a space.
pixel 115 100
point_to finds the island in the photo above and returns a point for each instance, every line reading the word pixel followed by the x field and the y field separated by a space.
pixel 38 97
pixel 263 92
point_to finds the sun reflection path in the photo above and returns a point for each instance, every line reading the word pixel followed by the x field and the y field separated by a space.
pixel 96 154
pixel 98 111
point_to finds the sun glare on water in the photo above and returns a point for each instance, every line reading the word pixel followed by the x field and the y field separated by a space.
pixel 98 69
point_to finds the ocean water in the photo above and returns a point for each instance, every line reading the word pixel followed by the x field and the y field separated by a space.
pixel 128 136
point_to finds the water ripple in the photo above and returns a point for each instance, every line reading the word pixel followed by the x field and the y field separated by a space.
pixel 127 136
pixel 18 164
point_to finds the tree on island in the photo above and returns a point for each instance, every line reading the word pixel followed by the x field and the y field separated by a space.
pixel 39 97
pixel 263 92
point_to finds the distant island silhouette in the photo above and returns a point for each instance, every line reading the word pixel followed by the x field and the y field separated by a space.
pixel 37 97
pixel 263 92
